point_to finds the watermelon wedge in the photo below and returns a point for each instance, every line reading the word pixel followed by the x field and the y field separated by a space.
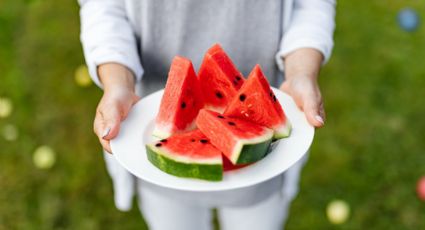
pixel 181 101
pixel 187 154
pixel 257 103
pixel 242 142
pixel 229 166
pixel 219 79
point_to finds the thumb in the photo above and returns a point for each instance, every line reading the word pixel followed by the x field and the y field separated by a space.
pixel 111 122
pixel 313 109
pixel 135 98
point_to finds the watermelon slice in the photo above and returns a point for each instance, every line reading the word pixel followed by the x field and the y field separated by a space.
pixel 219 79
pixel 229 166
pixel 187 154
pixel 240 141
pixel 257 103
pixel 181 101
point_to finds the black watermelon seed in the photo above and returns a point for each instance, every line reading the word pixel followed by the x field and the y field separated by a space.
pixel 238 78
pixel 164 140
pixel 192 140
pixel 203 141
pixel 183 105
pixel 219 95
pixel 271 94
pixel 219 116
pixel 242 97
pixel 158 145
pixel 231 123
pixel 274 98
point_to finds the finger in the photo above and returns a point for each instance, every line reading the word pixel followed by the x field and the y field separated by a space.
pixel 111 119
pixel 312 111
pixel 105 144
pixel 126 110
pixel 135 99
pixel 98 125
pixel 285 87
pixel 98 129
pixel 322 112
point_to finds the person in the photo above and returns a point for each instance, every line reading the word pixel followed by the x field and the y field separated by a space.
pixel 128 46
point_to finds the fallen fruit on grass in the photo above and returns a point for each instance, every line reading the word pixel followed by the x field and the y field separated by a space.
pixel 44 157
pixel 6 107
pixel 408 19
pixel 338 211
pixel 10 132
pixel 82 76
pixel 420 188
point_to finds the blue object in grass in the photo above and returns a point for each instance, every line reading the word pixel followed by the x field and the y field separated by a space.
pixel 408 19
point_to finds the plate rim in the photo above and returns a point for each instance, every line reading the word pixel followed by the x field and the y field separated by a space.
pixel 201 188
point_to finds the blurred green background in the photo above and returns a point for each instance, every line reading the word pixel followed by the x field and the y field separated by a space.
pixel 370 154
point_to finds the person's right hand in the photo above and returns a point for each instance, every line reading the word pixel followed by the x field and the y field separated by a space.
pixel 116 102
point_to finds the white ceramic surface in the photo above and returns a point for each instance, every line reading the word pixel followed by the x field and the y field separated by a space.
pixel 129 149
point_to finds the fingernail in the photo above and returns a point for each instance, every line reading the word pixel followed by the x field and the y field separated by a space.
pixel 319 119
pixel 106 132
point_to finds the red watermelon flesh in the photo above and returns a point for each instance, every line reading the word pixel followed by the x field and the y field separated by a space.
pixel 188 154
pixel 181 101
pixel 219 78
pixel 257 103
pixel 242 142
pixel 229 166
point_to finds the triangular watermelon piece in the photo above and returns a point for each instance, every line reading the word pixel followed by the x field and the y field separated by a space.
pixel 181 101
pixel 257 103
pixel 242 142
pixel 229 166
pixel 188 154
pixel 219 79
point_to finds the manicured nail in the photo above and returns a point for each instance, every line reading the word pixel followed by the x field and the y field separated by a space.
pixel 319 119
pixel 106 132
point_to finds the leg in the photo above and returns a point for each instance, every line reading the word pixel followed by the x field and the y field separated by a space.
pixel 163 213
pixel 123 183
pixel 270 214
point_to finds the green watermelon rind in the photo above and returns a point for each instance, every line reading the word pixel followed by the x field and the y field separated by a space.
pixel 251 153
pixel 210 172
pixel 251 150
pixel 283 132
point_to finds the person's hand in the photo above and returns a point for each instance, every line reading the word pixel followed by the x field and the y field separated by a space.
pixel 306 94
pixel 112 109
pixel 116 102
pixel 301 72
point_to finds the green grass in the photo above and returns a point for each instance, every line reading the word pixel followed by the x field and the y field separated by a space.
pixel 370 153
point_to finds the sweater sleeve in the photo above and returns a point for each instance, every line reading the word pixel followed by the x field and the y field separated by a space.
pixel 107 36
pixel 311 26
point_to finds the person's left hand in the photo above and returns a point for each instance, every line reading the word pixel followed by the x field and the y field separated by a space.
pixel 306 94
pixel 302 69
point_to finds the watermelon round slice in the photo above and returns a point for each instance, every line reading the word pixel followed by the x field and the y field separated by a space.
pixel 219 79
pixel 187 154
pixel 257 103
pixel 242 142
pixel 181 101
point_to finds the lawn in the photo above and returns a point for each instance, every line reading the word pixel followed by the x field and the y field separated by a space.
pixel 370 154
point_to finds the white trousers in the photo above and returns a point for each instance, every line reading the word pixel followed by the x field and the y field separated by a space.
pixel 165 213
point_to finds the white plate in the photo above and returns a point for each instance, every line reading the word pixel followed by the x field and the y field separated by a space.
pixel 129 149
